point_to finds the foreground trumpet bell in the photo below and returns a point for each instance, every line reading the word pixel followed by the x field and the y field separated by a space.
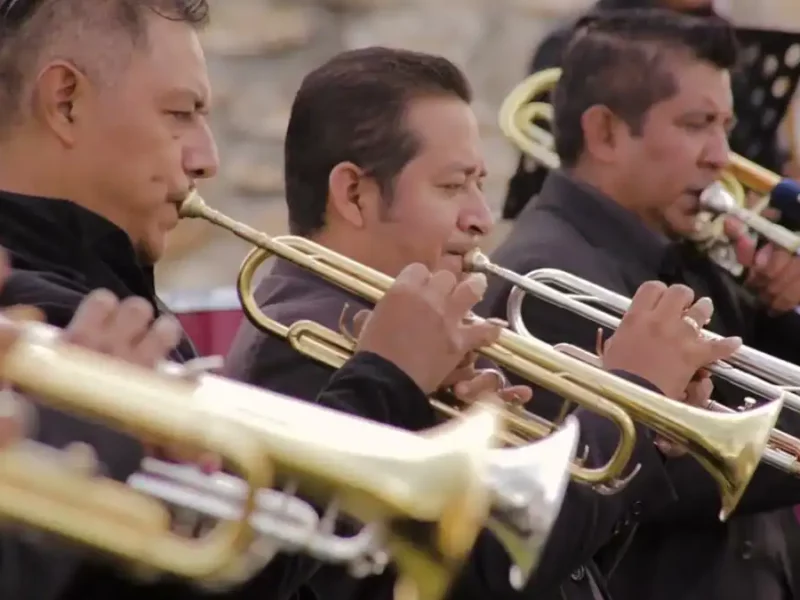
pixel 427 494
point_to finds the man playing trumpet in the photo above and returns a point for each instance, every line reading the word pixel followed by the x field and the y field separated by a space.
pixel 383 165
pixel 642 114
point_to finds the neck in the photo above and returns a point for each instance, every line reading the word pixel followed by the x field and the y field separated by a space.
pixel 601 178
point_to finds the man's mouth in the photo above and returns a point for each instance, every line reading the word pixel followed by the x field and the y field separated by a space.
pixel 695 207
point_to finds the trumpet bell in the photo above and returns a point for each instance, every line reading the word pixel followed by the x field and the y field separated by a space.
pixel 530 483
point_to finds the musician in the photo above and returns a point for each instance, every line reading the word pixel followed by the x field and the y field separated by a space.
pixel 103 130
pixel 642 114
pixel 383 165
pixel 527 180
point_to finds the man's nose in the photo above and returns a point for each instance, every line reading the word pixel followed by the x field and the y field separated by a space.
pixel 201 156
pixel 718 150
pixel 476 218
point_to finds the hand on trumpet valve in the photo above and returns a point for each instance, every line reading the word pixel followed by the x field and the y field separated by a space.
pixel 659 338
pixel 772 273
pixel 470 384
pixel 421 324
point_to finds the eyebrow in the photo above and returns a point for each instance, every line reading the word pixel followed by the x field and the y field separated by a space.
pixel 468 169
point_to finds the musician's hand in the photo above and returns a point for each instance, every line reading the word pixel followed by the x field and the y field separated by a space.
pixel 698 393
pixel 659 338
pixel 123 329
pixel 483 381
pixel 421 324
pixel 773 274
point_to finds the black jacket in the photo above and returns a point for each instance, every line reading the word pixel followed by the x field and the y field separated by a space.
pixel 681 552
pixel 290 294
pixel 60 252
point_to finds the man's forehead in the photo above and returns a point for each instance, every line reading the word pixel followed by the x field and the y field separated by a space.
pixel 174 60
pixel 701 82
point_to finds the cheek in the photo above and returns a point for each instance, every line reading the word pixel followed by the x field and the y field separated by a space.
pixel 420 230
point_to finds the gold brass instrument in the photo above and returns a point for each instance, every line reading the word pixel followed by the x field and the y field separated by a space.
pixel 748 368
pixel 389 478
pixel 518 116
pixel 728 446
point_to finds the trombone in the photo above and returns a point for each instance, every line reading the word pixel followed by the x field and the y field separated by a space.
pixel 603 307
pixel 382 476
pixel 729 446
pixel 519 113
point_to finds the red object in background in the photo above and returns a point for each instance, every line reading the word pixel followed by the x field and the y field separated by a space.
pixel 211 318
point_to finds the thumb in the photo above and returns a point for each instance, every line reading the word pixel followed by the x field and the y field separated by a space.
pixel 721 349
pixel 743 245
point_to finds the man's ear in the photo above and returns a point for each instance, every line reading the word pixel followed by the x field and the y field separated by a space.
pixel 601 132
pixel 57 94
pixel 351 194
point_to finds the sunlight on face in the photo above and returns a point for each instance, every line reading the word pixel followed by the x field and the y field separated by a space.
pixel 149 138
pixel 438 210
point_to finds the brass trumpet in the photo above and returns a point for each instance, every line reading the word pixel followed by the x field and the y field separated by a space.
pixel 380 475
pixel 728 446
pixel 746 368
pixel 517 118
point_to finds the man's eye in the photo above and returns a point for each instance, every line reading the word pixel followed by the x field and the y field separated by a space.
pixel 182 115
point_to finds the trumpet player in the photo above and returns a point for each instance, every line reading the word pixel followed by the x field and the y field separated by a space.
pixel 642 115
pixel 383 165
pixel 103 131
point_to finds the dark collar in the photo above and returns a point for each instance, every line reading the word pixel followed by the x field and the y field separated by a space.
pixel 602 222
pixel 51 235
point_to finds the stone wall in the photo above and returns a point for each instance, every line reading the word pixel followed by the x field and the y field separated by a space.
pixel 259 50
